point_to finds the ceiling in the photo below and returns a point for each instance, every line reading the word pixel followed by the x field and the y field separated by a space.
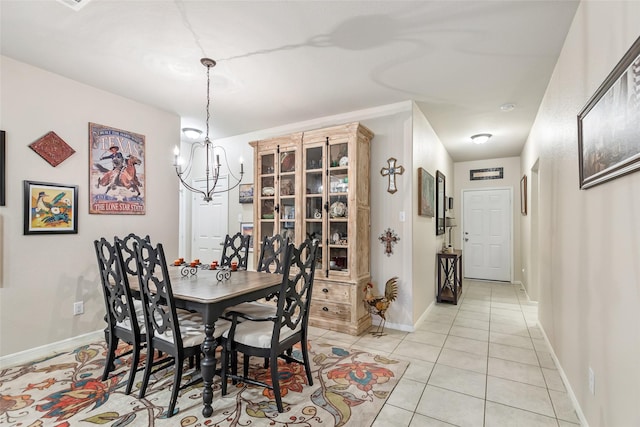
pixel 281 62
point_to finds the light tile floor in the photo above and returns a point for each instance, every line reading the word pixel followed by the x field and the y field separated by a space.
pixel 483 362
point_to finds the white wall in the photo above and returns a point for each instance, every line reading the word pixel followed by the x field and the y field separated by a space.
pixel 43 275
pixel 393 127
pixel 589 239
pixel 429 154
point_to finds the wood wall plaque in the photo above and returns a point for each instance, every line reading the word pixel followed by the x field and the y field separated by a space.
pixel 52 148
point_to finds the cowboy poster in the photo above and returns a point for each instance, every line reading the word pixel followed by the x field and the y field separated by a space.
pixel 116 176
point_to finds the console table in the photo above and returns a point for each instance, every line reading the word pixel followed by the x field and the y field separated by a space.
pixel 449 276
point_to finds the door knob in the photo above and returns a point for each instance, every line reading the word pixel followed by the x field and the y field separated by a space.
pixel 466 240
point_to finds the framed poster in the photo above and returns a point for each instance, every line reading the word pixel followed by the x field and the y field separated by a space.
pixel 50 208
pixel 609 125
pixel 426 193
pixel 116 171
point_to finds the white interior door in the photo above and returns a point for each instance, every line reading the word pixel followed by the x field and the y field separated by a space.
pixel 209 222
pixel 486 234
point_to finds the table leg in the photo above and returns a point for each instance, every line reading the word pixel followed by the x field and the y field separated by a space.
pixel 208 368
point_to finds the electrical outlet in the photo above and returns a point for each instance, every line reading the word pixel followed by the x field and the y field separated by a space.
pixel 592 381
pixel 78 308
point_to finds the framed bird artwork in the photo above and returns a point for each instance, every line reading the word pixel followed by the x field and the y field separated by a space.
pixel 50 208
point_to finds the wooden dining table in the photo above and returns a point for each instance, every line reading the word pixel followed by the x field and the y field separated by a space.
pixel 204 293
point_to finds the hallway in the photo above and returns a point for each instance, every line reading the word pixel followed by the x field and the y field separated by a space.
pixel 481 363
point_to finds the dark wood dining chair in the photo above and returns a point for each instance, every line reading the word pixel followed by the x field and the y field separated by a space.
pixel 235 248
pixel 125 318
pixel 272 253
pixel 175 332
pixel 274 336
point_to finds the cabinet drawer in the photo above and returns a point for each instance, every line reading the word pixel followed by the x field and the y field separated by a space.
pixel 332 292
pixel 325 309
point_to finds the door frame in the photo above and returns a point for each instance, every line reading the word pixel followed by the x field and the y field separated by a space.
pixel 510 216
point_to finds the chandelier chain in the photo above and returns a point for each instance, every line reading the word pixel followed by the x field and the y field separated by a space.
pixel 208 101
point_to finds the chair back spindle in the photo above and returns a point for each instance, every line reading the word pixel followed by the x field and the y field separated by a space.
pixel 272 254
pixel 236 248
pixel 128 252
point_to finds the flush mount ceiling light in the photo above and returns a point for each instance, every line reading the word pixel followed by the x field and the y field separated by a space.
pixel 505 108
pixel 480 138
pixel 191 133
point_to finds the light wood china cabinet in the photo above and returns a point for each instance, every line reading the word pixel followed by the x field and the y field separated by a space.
pixel 316 184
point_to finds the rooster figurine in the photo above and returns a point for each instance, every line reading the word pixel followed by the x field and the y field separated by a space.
pixel 377 304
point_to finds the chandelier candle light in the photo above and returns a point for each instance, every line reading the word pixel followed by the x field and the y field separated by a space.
pixel 212 170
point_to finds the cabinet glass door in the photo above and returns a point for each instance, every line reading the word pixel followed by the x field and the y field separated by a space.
pixel 338 221
pixel 313 205
pixel 287 195
pixel 266 195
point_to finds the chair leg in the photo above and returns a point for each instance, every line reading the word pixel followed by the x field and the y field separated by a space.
pixel 177 378
pixel 305 359
pixel 147 370
pixel 245 367
pixel 134 366
pixel 275 381
pixel 112 343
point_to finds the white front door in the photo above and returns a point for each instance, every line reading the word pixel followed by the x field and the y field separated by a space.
pixel 209 223
pixel 486 234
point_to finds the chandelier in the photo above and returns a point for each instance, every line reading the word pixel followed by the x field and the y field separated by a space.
pixel 212 168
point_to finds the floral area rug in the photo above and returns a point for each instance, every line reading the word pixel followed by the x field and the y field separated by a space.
pixel 349 387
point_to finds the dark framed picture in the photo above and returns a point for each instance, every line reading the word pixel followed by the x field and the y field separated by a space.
pixel 609 125
pixel 426 193
pixel 486 173
pixel 2 169
pixel 50 208
pixel 523 195
pixel 246 193
pixel 441 198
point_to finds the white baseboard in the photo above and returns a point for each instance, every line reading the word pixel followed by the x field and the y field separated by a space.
pixel 49 349
pixel 409 328
pixel 565 380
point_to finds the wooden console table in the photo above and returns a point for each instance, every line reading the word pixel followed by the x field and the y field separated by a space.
pixel 449 276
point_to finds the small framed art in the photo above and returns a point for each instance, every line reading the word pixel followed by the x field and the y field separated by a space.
pixel 246 193
pixel 426 193
pixel 50 208
pixel 523 195
pixel 246 228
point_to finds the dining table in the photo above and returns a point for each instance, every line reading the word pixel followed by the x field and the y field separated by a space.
pixel 209 292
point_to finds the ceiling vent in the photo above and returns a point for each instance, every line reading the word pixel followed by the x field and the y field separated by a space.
pixel 74 4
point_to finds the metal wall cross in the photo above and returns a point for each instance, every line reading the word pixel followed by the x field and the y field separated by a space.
pixel 388 239
pixel 391 172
